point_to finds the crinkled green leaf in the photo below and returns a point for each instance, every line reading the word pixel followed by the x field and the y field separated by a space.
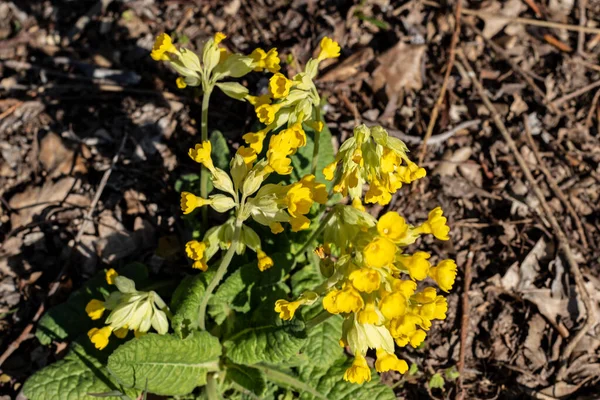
pixel 322 347
pixel 249 378
pixel 436 382
pixel 75 377
pixel 220 150
pixel 69 320
pixel 302 160
pixel 330 383
pixel 272 344
pixel 185 303
pixel 168 365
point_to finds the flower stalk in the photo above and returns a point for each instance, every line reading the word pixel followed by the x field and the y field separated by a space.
pixel 204 136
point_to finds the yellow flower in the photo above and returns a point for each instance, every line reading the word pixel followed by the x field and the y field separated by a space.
pixel 266 113
pixel 189 202
pixel 276 228
pixel 444 274
pixel 248 154
pixel 436 224
pixel 259 100
pixel 329 49
pixel 264 261
pixel 392 226
pixel 329 170
pixel 417 264
pixel 272 61
pixel 279 163
pixel 180 82
pixel 195 250
pixel 298 200
pixel 255 140
pixel 279 86
pixel 417 338
pixel 299 223
pixel 201 154
pixel 393 305
pixel 286 309
pixel 100 336
pixel 406 287
pixel 405 325
pixel 201 265
pixel 219 37
pixel 162 46
pixel 389 161
pixel 389 362
pixel 357 204
pixel 318 190
pixel 349 300
pixel 359 372
pixel 379 252
pixel 329 302
pixel 377 193
pixel 121 332
pixel 95 309
pixel 365 279
pixel 368 315
pixel 111 274
pixel 316 125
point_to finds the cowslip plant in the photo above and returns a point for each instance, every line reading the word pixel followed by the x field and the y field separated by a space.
pixel 297 275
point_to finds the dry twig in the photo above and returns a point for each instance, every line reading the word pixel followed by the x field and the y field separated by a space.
pixel 576 93
pixel 554 185
pixel 449 67
pixel 464 325
pixel 560 235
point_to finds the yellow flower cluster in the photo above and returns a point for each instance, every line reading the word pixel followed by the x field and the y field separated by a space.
pixel 374 157
pixel 129 308
pixel 373 284
pixel 289 102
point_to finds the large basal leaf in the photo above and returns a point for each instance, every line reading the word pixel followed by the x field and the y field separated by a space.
pixel 322 347
pixel 220 150
pixel 69 320
pixel 74 377
pixel 249 378
pixel 166 364
pixel 302 160
pixel 185 304
pixel 329 383
pixel 268 343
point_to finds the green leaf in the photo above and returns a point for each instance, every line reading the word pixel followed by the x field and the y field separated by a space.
pixel 185 304
pixel 249 378
pixel 436 382
pixel 269 343
pixel 168 365
pixel 414 368
pixel 322 347
pixel 249 289
pixel 330 384
pixel 451 373
pixel 220 151
pixel 76 377
pixel 302 160
pixel 69 320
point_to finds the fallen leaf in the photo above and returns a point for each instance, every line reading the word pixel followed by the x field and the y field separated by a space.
pixel 494 24
pixel 451 161
pixel 400 69
pixel 57 159
pixel 532 347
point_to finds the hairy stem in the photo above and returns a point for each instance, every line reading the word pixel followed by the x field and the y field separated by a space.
pixel 321 317
pixel 211 388
pixel 286 380
pixel 204 137
pixel 315 157
pixel 316 233
pixel 219 275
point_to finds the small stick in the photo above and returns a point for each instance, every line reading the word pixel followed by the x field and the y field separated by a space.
pixel 554 185
pixel 535 22
pixel 576 93
pixel 534 7
pixel 590 116
pixel 449 67
pixel 582 22
pixel 464 325
pixel 560 235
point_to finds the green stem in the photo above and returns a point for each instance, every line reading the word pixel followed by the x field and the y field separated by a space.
pixel 220 274
pixel 211 388
pixel 315 157
pixel 321 317
pixel 286 380
pixel 204 137
pixel 316 233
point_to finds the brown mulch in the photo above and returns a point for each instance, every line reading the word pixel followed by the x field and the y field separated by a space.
pixel 76 82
